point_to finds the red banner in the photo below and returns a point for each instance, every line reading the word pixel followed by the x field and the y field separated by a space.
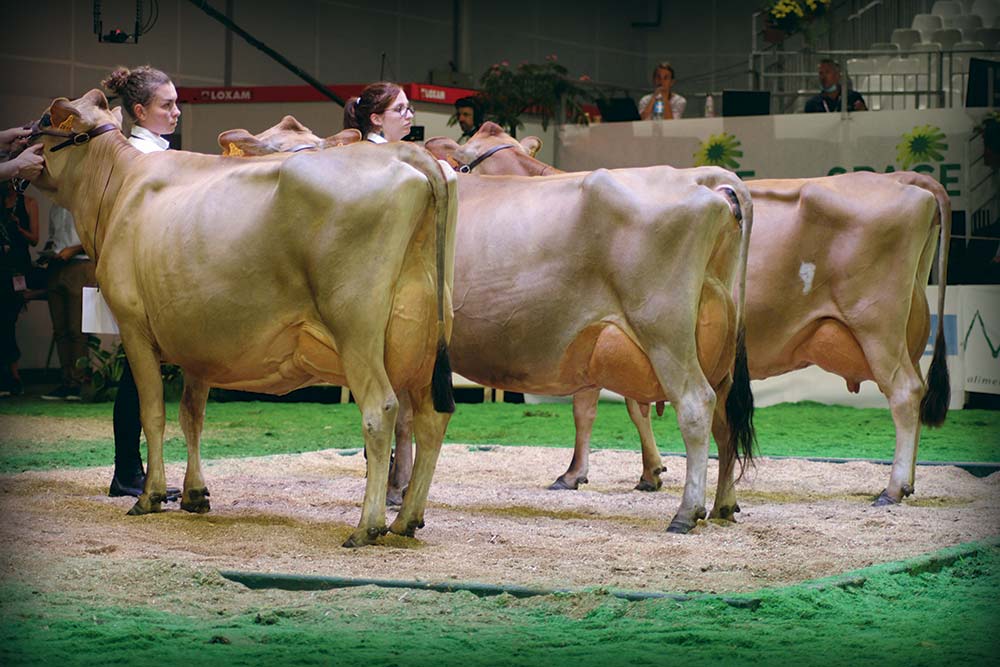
pixel 417 92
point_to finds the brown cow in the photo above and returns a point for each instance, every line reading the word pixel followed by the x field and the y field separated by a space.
pixel 836 279
pixel 268 274
pixel 618 278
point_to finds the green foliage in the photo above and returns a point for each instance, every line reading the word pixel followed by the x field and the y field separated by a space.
pixel 507 93
pixel 104 370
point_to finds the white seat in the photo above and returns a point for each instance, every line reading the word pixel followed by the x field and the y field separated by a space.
pixel 968 46
pixel 946 37
pixel 904 38
pixel 966 6
pixel 926 24
pixel 902 78
pixel 988 36
pixel 987 9
pixel 967 23
pixel 946 8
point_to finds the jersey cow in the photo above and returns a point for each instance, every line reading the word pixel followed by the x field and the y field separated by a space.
pixel 621 279
pixel 268 274
pixel 836 278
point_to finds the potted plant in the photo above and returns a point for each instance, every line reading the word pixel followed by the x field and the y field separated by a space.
pixel 784 18
pixel 507 93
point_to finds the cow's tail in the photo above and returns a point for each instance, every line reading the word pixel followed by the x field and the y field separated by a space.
pixel 444 191
pixel 934 405
pixel 739 403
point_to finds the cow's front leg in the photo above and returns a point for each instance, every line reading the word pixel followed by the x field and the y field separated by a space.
pixel 192 417
pixel 401 468
pixel 652 464
pixel 694 417
pixel 584 413
pixel 725 507
pixel 149 383
pixel 429 427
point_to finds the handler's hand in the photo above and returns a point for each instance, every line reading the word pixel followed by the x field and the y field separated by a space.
pixel 30 162
pixel 8 137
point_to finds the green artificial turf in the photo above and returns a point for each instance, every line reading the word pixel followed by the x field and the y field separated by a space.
pixel 259 428
pixel 946 616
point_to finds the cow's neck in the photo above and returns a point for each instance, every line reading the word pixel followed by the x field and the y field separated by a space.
pixel 97 182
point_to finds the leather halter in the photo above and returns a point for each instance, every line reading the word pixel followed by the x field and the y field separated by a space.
pixel 72 138
pixel 466 168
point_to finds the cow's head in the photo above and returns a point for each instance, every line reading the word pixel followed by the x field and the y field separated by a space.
pixel 66 129
pixel 287 136
pixel 486 153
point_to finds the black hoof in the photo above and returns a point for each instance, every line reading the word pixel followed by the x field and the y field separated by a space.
pixel 561 484
pixel 884 499
pixel 134 488
pixel 197 502
pixel 725 513
pixel 643 485
pixel 684 526
pixel 394 497
pixel 155 500
pixel 369 537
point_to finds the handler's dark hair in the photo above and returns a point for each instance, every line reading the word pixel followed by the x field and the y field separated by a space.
pixel 375 98
pixel 475 105
pixel 135 86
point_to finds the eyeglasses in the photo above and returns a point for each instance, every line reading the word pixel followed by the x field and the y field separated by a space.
pixel 403 109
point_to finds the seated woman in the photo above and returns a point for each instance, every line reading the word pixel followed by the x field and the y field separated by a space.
pixel 382 113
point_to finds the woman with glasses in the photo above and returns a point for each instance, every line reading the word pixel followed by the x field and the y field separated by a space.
pixel 382 113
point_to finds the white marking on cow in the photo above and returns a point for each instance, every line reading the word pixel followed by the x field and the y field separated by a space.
pixel 807 272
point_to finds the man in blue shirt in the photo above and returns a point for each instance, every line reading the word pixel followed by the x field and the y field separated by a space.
pixel 830 98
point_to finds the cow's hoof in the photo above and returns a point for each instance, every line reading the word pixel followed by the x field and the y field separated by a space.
pixel 907 490
pixel 725 513
pixel 645 485
pixel 150 504
pixel 406 528
pixel 562 485
pixel 361 538
pixel 196 501
pixel 394 497
pixel 684 525
pixel 885 499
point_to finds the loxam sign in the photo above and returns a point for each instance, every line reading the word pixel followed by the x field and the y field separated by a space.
pixel 923 150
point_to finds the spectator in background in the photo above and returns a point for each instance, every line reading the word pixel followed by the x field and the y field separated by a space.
pixel 664 79
pixel 829 98
pixel 382 113
pixel 28 163
pixel 469 115
pixel 69 271
pixel 18 231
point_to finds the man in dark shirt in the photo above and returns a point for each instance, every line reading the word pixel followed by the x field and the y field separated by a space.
pixel 469 115
pixel 829 98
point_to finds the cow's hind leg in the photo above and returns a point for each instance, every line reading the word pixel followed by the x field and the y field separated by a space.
pixel 149 383
pixel 652 464
pixel 429 427
pixel 904 394
pixel 378 405
pixel 401 468
pixel 192 418
pixel 584 413
pixel 694 417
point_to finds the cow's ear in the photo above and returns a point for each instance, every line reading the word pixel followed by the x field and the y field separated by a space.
pixel 62 112
pixel 441 147
pixel 532 145
pixel 235 143
pixel 95 98
pixel 117 113
pixel 343 138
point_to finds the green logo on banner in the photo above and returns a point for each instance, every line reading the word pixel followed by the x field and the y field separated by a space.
pixel 719 150
pixel 923 144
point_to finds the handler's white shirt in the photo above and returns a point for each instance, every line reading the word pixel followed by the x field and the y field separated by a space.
pixel 376 138
pixel 146 141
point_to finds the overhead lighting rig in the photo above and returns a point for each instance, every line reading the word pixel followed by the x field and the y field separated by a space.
pixel 119 36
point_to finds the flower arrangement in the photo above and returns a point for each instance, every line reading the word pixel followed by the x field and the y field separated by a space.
pixel 791 16
pixel 506 93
